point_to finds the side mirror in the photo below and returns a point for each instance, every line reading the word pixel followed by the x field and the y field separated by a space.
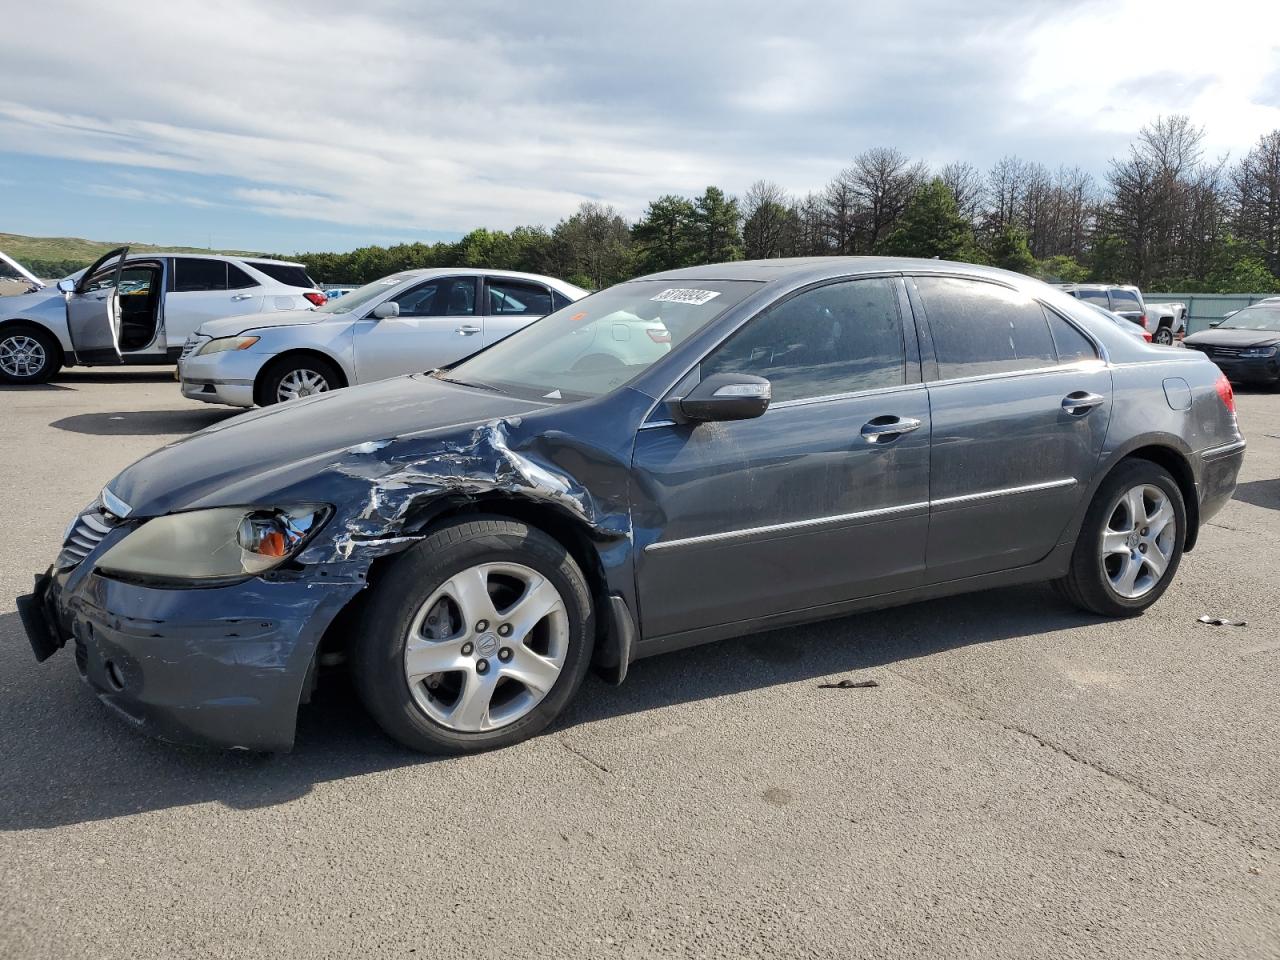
pixel 386 309
pixel 726 396
pixel 1214 323
pixel 67 286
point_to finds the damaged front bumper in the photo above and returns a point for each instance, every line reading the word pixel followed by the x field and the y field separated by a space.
pixel 222 667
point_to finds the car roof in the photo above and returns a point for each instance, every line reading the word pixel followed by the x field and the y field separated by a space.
pixel 484 272
pixel 794 269
pixel 247 258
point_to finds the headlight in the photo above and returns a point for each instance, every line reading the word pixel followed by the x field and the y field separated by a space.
pixel 1258 352
pixel 205 547
pixel 227 343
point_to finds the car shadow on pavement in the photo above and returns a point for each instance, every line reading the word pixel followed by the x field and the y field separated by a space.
pixel 144 423
pixel 70 760
pixel 1260 493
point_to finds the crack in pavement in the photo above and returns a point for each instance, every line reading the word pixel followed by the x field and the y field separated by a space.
pixel 1132 783
pixel 595 764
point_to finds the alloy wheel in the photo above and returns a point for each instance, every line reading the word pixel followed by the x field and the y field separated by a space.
pixel 486 647
pixel 300 383
pixel 1138 540
pixel 22 356
pixel 1164 335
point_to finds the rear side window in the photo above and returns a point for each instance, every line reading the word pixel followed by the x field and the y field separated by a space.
pixel 559 300
pixel 1125 301
pixel 1098 297
pixel 237 279
pixel 283 273
pixel 982 328
pixel 838 338
pixel 1073 346
pixel 509 297
pixel 191 275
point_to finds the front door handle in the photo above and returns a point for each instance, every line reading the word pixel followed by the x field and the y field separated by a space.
pixel 1079 403
pixel 243 296
pixel 467 330
pixel 887 429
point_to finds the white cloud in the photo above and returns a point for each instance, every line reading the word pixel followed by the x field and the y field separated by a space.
pixel 437 116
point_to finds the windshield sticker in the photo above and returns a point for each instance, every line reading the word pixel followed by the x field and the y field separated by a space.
pixel 678 295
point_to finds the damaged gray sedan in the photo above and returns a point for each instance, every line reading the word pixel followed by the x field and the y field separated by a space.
pixel 677 459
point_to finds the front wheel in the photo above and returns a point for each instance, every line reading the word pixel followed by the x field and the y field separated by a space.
pixel 28 355
pixel 1164 335
pixel 1130 543
pixel 291 377
pixel 476 638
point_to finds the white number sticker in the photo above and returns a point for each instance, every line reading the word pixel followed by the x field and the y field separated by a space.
pixel 680 295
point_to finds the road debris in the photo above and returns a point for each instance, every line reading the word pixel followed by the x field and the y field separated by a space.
pixel 847 684
pixel 1220 621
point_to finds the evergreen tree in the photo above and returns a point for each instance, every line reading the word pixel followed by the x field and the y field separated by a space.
pixel 664 236
pixel 716 228
pixel 1009 251
pixel 931 226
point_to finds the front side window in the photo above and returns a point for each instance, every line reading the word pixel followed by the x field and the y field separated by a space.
pixel 838 338
pixel 982 328
pixel 508 297
pixel 192 275
pixel 445 297
pixel 599 343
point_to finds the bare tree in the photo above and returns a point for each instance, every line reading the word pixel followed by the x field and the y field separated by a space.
pixel 967 185
pixel 768 228
pixel 1255 197
pixel 883 180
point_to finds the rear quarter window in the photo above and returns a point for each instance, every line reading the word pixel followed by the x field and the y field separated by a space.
pixel 283 273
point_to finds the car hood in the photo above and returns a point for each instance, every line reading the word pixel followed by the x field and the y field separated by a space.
pixel 25 303
pixel 298 451
pixel 231 326
pixel 1220 337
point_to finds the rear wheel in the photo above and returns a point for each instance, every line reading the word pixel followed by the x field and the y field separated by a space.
pixel 28 355
pixel 1163 335
pixel 291 377
pixel 476 638
pixel 1130 544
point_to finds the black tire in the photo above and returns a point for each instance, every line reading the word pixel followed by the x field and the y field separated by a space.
pixel 49 346
pixel 378 655
pixel 1164 335
pixel 1086 584
pixel 266 390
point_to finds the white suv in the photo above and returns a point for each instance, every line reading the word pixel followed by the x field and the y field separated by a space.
pixel 139 309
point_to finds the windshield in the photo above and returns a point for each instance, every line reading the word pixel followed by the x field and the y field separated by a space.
pixel 597 344
pixel 364 295
pixel 1258 317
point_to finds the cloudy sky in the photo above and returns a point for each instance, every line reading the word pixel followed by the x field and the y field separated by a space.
pixel 325 124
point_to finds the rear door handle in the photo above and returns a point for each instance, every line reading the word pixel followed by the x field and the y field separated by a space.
pixel 887 429
pixel 1079 403
pixel 243 296
pixel 467 330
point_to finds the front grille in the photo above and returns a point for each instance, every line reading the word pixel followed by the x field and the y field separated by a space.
pixel 89 529
pixel 192 344
pixel 1225 351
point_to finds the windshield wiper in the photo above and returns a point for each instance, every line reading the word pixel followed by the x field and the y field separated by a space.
pixel 439 375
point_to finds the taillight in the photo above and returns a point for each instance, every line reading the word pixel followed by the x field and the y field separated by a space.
pixel 1146 335
pixel 1225 393
pixel 317 298
pixel 1142 319
pixel 658 336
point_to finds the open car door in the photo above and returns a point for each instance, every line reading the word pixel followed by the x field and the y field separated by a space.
pixel 93 310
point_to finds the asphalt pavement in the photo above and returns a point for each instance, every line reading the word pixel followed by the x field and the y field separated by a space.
pixel 1025 781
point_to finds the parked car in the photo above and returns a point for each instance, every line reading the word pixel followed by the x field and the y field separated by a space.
pixel 1124 299
pixel 139 308
pixel 1246 344
pixel 410 321
pixel 1168 321
pixel 821 436
pixel 1128 326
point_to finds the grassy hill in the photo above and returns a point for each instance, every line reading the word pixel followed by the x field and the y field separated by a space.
pixel 76 253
